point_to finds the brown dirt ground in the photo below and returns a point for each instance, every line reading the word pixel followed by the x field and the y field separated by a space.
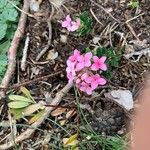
pixel 109 118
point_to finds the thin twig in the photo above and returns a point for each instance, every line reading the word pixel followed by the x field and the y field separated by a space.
pixel 35 80
pixel 131 29
pixel 30 131
pixel 134 17
pixel 22 11
pixel 25 50
pixel 50 36
pixel 93 14
pixel 105 11
pixel 13 49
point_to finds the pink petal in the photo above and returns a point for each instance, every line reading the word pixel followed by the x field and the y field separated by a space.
pixel 65 24
pixel 78 81
pixel 94 85
pixel 84 76
pixel 96 77
pixel 87 63
pixel 68 18
pixel 72 58
pixel 102 81
pixel 102 59
pixel 69 27
pixel 95 59
pixel 76 52
pixel 88 79
pixel 78 21
pixel 95 67
pixel 68 70
pixel 69 63
pixel 74 28
pixel 88 56
pixel 79 66
pixel 103 67
pixel 89 91
pixel 80 58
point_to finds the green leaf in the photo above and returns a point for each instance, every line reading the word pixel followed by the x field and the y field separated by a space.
pixel 20 98
pixel 17 113
pixel 18 104
pixel 3 30
pixel 37 116
pixel 86 24
pixel 26 92
pixel 3 64
pixel 4 47
pixel 9 14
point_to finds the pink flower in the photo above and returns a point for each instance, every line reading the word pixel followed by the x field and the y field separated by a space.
pixel 95 80
pixel 84 76
pixel 75 25
pixel 79 70
pixel 67 22
pixel 99 63
pixel 71 25
pixel 70 70
pixel 75 56
pixel 84 61
pixel 85 88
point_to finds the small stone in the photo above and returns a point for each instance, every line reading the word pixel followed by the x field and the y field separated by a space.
pixel 63 38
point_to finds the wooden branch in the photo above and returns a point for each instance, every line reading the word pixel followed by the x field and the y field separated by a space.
pixel 13 49
pixel 30 131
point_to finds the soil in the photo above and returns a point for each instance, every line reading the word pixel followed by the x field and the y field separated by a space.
pixel 108 118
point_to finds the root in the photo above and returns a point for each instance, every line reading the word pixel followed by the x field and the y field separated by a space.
pixel 13 50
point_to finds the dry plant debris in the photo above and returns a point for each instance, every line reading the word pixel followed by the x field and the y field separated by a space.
pixel 113 29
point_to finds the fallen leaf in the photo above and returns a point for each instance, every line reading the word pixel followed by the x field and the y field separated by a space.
pixel 37 116
pixel 17 113
pixel 70 113
pixel 18 104
pixel 58 111
pixel 62 122
pixel 122 97
pixel 20 98
pixel 71 141
pixel 33 108
pixel 52 55
pixel 26 92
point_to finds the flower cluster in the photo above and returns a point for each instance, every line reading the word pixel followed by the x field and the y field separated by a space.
pixel 82 70
pixel 70 24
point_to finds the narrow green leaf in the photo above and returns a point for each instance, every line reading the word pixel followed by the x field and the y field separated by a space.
pixel 19 98
pixel 17 113
pixel 18 104
pixel 37 116
pixel 26 92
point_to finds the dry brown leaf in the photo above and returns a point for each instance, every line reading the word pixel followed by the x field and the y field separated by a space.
pixel 33 108
pixel 70 113
pixel 58 111
pixel 71 141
